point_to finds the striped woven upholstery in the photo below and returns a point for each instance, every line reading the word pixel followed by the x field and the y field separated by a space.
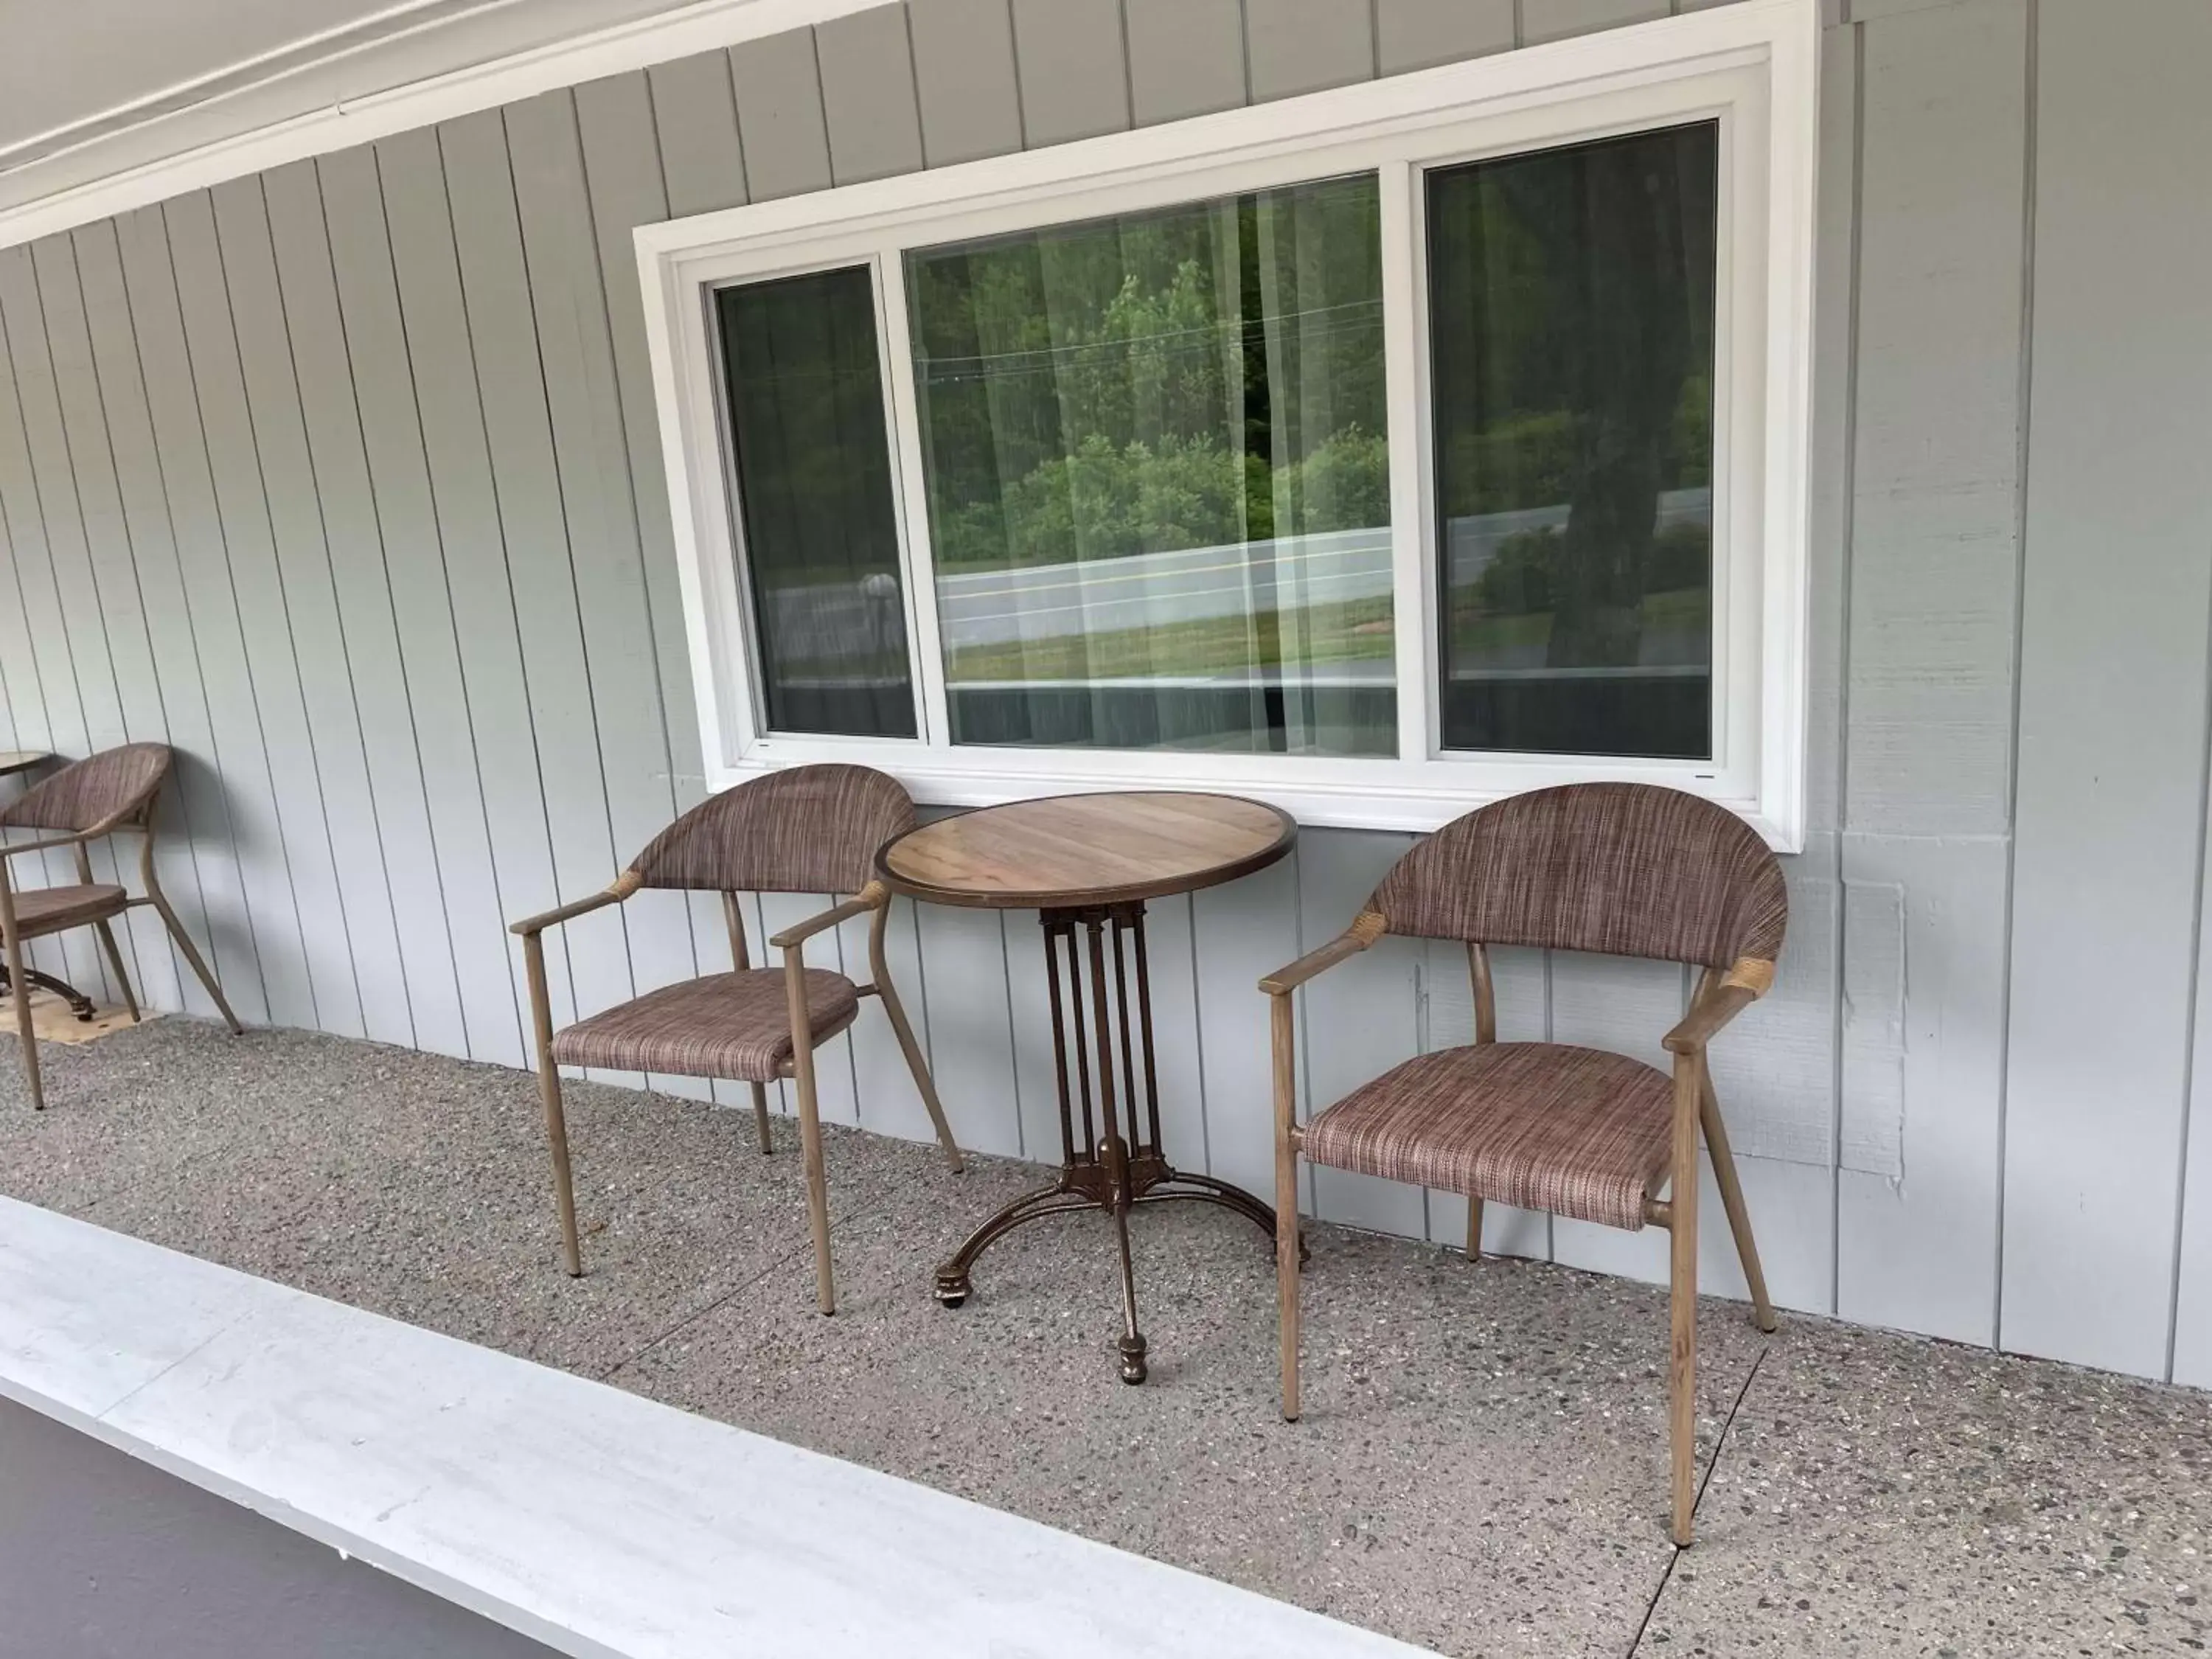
pixel 1622 869
pixel 810 829
pixel 1576 1131
pixel 50 909
pixel 726 1025
pixel 92 790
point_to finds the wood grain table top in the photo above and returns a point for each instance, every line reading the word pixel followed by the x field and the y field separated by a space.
pixel 21 760
pixel 1116 847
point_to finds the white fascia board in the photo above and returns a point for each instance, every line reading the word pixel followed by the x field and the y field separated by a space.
pixel 702 26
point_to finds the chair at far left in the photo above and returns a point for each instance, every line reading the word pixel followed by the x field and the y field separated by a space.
pixel 808 829
pixel 106 794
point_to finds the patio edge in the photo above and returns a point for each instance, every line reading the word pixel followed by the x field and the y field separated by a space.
pixel 595 1521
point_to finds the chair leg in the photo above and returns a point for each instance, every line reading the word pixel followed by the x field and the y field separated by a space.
pixel 19 992
pixel 564 1189
pixel 880 970
pixel 1739 1218
pixel 549 1090
pixel 115 963
pixel 760 1119
pixel 1682 1356
pixel 919 1068
pixel 1474 1228
pixel 810 1125
pixel 1286 1204
pixel 192 958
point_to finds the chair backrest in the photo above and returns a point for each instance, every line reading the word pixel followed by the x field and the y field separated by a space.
pixel 116 783
pixel 1623 869
pixel 810 829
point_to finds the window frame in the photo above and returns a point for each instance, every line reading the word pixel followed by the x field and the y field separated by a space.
pixel 1752 66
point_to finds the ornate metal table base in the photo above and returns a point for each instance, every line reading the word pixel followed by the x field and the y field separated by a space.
pixel 1109 1168
pixel 80 1005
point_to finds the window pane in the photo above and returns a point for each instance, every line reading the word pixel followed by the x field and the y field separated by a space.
pixel 1572 317
pixel 814 483
pixel 1159 489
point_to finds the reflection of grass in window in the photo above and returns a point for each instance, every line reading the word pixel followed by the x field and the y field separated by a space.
pixel 1359 630
pixel 1477 632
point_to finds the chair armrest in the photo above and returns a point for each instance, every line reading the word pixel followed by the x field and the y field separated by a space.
pixel 16 848
pixel 624 884
pixel 1703 1021
pixel 870 897
pixel 1363 932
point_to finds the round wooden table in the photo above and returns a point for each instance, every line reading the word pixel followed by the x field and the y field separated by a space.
pixel 1088 864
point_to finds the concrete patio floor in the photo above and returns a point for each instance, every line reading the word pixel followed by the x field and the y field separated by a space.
pixel 1481 1467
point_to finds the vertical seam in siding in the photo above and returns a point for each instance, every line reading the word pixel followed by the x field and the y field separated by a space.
pixel 126 943
pixel 629 488
pixel 1520 40
pixel 1848 533
pixel 438 534
pixel 568 532
pixel 38 497
pixel 1021 92
pixel 284 605
pixel 505 564
pixel 137 585
pixel 46 536
pixel 2024 383
pixel 192 633
pixel 1128 67
pixel 76 490
pixel 737 130
pixel 230 582
pixel 913 78
pixel 337 616
pixel 1244 66
pixel 391 612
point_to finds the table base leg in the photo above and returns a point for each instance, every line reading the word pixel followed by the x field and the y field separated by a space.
pixel 1103 1167
pixel 80 1005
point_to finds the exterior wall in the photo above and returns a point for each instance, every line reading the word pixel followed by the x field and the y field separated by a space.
pixel 345 478
pixel 104 1557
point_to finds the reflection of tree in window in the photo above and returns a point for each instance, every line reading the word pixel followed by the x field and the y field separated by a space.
pixel 1572 296
pixel 1205 376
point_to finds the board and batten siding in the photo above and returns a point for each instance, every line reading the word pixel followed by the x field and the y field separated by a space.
pixel 344 480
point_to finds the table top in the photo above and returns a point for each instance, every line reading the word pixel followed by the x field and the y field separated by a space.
pixel 1117 847
pixel 21 760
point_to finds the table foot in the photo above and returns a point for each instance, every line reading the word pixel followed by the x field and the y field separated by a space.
pixel 80 1005
pixel 1132 1359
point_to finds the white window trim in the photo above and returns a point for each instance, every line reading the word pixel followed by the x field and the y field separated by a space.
pixel 1753 65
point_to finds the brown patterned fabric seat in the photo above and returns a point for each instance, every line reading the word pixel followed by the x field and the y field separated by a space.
pixel 728 1025
pixel 49 909
pixel 1576 1131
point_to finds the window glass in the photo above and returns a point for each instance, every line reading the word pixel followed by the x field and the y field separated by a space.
pixel 1572 320
pixel 1157 483
pixel 814 492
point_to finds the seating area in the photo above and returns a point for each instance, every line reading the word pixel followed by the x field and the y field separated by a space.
pixel 1412 1380
pixel 1481 1464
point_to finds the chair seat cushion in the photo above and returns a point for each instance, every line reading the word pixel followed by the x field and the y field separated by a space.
pixel 727 1026
pixel 50 909
pixel 1576 1131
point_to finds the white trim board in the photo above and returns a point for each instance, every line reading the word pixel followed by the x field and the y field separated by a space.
pixel 613 49
pixel 595 1522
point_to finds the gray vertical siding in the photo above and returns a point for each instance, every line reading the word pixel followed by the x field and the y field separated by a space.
pixel 345 480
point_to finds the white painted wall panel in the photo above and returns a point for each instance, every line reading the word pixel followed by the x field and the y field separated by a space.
pixel 2105 899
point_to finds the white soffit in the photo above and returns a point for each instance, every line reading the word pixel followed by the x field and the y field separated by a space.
pixel 403 67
